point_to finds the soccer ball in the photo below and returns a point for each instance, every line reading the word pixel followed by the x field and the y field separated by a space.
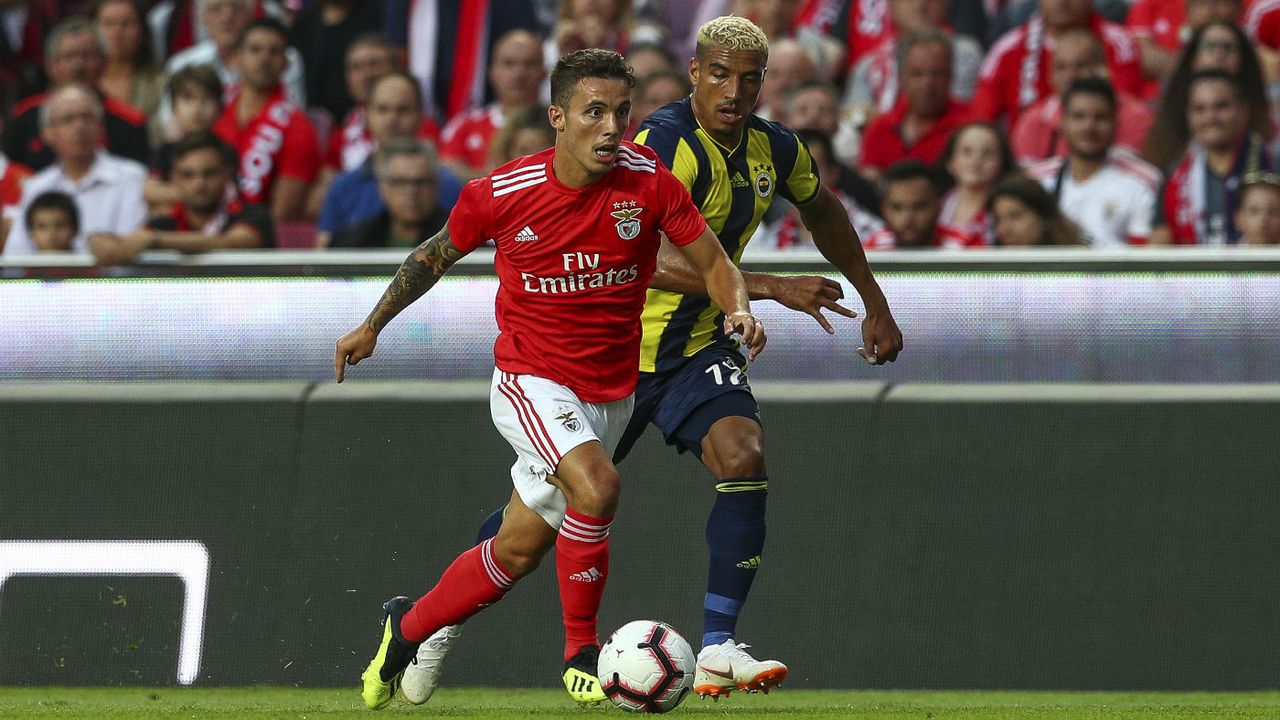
pixel 646 667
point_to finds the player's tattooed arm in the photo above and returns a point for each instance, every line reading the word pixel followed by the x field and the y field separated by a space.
pixel 417 274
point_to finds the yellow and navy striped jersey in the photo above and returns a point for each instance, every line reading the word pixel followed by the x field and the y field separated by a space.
pixel 732 187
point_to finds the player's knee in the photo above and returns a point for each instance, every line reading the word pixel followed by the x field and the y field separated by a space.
pixel 518 559
pixel 598 496
pixel 736 453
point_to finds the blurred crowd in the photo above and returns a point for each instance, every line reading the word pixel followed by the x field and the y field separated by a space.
pixel 197 125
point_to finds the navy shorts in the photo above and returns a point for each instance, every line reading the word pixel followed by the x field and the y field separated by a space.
pixel 686 401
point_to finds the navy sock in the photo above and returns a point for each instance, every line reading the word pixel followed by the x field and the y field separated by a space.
pixel 735 539
pixel 490 526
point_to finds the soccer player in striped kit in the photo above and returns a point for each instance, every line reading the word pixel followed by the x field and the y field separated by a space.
pixel 693 384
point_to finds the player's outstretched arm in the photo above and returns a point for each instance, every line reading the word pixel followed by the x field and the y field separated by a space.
pixel 809 294
pixel 417 274
pixel 726 288
pixel 833 234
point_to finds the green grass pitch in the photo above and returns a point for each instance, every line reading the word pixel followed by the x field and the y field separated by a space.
pixel 272 702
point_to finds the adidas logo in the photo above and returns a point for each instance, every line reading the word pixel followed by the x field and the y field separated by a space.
pixel 582 684
pixel 752 564
pixel 738 181
pixel 589 575
pixel 526 235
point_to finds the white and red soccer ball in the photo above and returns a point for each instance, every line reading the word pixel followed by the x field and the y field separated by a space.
pixel 646 666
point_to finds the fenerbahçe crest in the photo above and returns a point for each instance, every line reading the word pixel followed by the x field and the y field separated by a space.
pixel 764 179
pixel 628 223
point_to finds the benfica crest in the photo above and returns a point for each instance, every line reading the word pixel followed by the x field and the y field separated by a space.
pixel 566 417
pixel 628 223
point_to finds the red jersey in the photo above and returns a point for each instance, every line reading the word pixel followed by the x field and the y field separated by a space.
pixel 573 265
pixel 1161 21
pixel 868 24
pixel 1015 74
pixel 12 176
pixel 279 142
pixel 883 145
pixel 466 138
pixel 352 144
pixel 1262 23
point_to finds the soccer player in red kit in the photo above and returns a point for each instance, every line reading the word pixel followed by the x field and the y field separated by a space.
pixel 577 230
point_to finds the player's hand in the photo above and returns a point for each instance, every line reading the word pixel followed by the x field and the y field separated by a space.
pixel 811 294
pixel 749 329
pixel 352 348
pixel 881 338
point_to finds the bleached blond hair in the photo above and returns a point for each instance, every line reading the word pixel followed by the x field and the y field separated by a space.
pixel 732 32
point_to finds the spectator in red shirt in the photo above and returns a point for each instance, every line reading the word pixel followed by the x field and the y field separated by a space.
pixel 1077 54
pixel 873 85
pixel 1015 75
pixel 74 54
pixel 276 144
pixel 918 126
pixel 911 206
pixel 1219 45
pixel 515 74
pixel 1162 27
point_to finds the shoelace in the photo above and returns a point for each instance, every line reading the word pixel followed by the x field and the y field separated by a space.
pixel 738 653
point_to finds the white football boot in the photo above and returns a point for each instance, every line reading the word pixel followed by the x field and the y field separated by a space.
pixel 422 677
pixel 727 667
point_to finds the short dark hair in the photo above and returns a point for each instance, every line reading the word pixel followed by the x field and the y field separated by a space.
pixel 53 200
pixel 908 170
pixel 1096 86
pixel 1237 87
pixel 371 38
pixel 198 141
pixel 203 77
pixel 266 23
pixel 589 63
